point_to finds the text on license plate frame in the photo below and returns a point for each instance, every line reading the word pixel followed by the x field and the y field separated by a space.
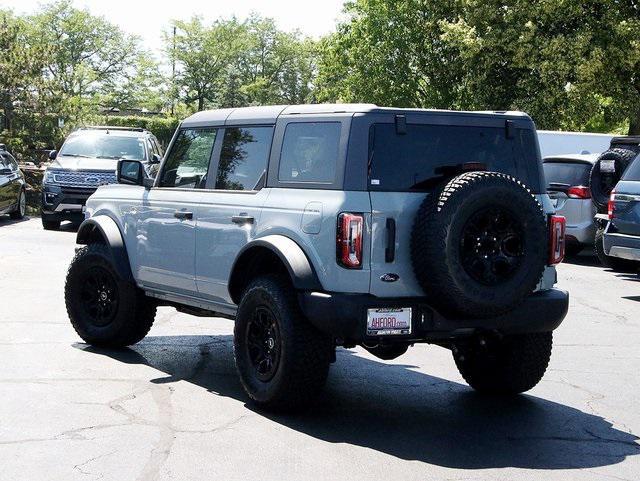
pixel 389 321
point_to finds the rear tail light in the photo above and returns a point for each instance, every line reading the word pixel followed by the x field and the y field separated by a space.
pixel 611 205
pixel 557 225
pixel 349 240
pixel 579 192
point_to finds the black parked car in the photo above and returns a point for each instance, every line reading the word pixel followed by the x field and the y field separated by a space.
pixel 13 200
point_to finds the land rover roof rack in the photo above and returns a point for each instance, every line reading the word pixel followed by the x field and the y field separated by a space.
pixel 112 127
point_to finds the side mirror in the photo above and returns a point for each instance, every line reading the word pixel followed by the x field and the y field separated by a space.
pixel 130 172
pixel 155 159
pixel 53 154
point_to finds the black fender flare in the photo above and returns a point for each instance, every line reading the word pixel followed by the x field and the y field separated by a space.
pixel 303 275
pixel 103 229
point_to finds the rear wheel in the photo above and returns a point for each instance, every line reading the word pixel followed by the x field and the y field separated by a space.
pixel 104 309
pixel 509 365
pixel 614 263
pixel 21 208
pixel 283 361
pixel 573 249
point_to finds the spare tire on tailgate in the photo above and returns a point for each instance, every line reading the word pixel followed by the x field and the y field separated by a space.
pixel 479 246
pixel 606 173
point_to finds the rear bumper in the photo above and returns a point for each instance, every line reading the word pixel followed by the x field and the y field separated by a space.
pixel 344 316
pixel 623 246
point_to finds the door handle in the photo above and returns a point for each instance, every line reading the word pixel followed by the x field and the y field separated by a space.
pixel 242 219
pixel 390 250
pixel 183 215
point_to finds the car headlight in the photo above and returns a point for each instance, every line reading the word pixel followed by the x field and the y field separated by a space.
pixel 48 177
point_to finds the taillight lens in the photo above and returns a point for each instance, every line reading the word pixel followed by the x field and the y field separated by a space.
pixel 579 192
pixel 611 205
pixel 349 240
pixel 557 226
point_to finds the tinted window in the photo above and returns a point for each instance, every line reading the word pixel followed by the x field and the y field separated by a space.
pixel 310 152
pixel 104 146
pixel 633 171
pixel 569 173
pixel 187 163
pixel 426 153
pixel 244 156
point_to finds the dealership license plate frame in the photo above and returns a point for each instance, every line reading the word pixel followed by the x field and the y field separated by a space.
pixel 389 321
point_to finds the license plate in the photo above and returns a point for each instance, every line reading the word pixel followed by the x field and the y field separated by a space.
pixel 388 321
pixel 608 166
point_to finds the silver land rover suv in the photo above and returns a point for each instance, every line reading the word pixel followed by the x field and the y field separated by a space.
pixel 88 158
pixel 318 226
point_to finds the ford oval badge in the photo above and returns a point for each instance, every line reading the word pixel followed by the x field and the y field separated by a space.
pixel 389 277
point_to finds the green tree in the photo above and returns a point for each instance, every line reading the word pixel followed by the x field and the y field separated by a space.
pixel 203 55
pixel 21 65
pixel 88 55
pixel 274 66
pixel 570 64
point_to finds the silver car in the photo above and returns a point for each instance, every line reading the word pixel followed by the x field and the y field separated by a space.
pixel 567 178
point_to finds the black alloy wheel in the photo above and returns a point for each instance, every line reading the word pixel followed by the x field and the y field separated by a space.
pixel 492 246
pixel 264 343
pixel 99 296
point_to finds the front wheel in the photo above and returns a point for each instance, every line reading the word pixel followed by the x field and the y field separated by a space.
pixel 21 207
pixel 104 309
pixel 510 365
pixel 50 224
pixel 282 360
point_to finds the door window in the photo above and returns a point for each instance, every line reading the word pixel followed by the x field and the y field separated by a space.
pixel 310 152
pixel 244 157
pixel 187 163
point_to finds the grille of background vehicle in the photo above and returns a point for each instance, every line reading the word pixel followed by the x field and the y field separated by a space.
pixel 84 179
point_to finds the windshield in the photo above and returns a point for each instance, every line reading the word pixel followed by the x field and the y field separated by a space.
pixel 633 172
pixel 568 173
pixel 104 146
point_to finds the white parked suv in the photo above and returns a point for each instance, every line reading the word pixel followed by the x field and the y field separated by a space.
pixel 318 226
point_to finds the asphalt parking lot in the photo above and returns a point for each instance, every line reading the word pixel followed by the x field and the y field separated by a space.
pixel 172 408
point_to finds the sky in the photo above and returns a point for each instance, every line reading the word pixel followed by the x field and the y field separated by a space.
pixel 148 18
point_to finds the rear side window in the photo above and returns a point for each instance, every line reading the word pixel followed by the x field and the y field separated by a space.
pixel 310 152
pixel 633 171
pixel 244 157
pixel 420 158
pixel 188 160
pixel 568 173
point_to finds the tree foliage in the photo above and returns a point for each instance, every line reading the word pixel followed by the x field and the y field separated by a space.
pixel 571 63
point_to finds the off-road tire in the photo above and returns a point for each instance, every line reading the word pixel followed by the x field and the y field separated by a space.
pixel 19 213
pixel 614 263
pixel 573 249
pixel 304 352
pixel 50 224
pixel 511 365
pixel 599 192
pixel 133 315
pixel 439 231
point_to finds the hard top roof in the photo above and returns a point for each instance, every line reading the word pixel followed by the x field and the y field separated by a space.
pixel 269 114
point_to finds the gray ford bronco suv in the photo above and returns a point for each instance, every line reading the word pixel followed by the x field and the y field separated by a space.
pixel 318 226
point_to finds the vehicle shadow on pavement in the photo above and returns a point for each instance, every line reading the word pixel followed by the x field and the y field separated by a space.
pixel 6 220
pixel 394 409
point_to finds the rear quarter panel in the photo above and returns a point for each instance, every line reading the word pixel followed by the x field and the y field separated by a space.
pixel 309 217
